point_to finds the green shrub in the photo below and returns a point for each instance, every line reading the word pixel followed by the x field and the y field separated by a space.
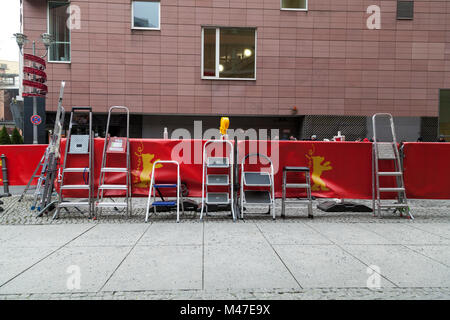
pixel 4 136
pixel 16 138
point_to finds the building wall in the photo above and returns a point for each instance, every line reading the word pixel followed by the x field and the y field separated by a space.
pixel 324 61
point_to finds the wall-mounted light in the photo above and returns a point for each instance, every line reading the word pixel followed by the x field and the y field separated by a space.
pixel 248 53
pixel 47 39
pixel 21 39
pixel 221 68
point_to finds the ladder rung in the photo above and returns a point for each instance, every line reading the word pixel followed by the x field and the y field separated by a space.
pixel 164 203
pixel 165 185
pixel 122 170
pixel 217 162
pixel 394 205
pixel 82 153
pixel 393 173
pixel 76 170
pixel 391 189
pixel 73 204
pixel 217 180
pixel 297 185
pixel 297 201
pixel 217 198
pixel 111 204
pixel 113 187
pixel 75 187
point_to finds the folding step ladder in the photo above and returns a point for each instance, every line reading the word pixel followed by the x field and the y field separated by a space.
pixel 260 179
pixel 79 145
pixel 47 166
pixel 387 151
pixel 305 185
pixel 115 146
pixel 218 180
pixel 154 186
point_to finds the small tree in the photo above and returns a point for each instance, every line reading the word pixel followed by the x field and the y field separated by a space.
pixel 16 138
pixel 4 136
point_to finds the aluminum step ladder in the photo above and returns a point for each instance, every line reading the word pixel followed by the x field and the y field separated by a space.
pixel 257 179
pixel 222 178
pixel 115 146
pixel 154 186
pixel 81 146
pixel 387 151
pixel 305 185
pixel 48 164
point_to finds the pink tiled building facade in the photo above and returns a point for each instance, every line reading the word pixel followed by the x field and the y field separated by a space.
pixel 300 66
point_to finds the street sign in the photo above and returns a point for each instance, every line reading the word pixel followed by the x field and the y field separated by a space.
pixel 36 120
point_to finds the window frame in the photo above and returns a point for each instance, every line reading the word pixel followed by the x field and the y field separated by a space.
pixel 217 28
pixel 146 28
pixel 293 9
pixel 65 42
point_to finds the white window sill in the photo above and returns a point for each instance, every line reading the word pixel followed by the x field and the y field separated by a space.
pixel 64 62
pixel 238 79
pixel 139 28
pixel 292 9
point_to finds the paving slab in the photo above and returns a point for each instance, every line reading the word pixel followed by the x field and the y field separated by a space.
pixel 245 266
pixel 347 233
pixel 440 229
pixel 320 266
pixel 38 236
pixel 111 235
pixel 400 233
pixel 228 233
pixel 403 266
pixel 291 233
pixel 159 268
pixel 173 234
pixel 95 264
pixel 14 260
pixel 438 253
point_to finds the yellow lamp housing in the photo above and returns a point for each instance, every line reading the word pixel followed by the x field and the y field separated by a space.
pixel 224 124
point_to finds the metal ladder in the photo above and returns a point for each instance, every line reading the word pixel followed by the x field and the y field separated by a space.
pixel 257 198
pixel 48 164
pixel 154 186
pixel 218 180
pixel 81 145
pixel 111 146
pixel 306 185
pixel 387 151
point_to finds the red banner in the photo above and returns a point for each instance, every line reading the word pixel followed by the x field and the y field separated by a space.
pixel 338 169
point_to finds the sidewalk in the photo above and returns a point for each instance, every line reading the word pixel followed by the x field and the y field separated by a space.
pixel 256 258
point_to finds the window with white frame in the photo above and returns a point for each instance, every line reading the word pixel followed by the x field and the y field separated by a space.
pixel 59 50
pixel 229 53
pixel 146 15
pixel 294 5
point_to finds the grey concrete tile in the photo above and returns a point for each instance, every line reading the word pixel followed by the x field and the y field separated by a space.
pixel 347 233
pixel 438 253
pixel 404 233
pixel 231 233
pixel 173 234
pixel 245 266
pixel 43 235
pixel 291 233
pixel 403 266
pixel 324 266
pixel 159 268
pixel 111 235
pixel 14 260
pixel 440 229
pixel 51 275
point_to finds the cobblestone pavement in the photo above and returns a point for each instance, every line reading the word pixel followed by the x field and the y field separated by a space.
pixel 329 257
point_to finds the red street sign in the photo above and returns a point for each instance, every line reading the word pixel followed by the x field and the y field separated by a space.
pixel 36 120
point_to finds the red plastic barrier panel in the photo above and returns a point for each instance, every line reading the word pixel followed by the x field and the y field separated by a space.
pixel 21 161
pixel 427 170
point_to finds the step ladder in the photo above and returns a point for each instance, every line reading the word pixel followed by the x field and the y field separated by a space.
pixel 387 151
pixel 48 164
pixel 115 146
pixel 218 180
pixel 154 187
pixel 78 145
pixel 305 185
pixel 257 179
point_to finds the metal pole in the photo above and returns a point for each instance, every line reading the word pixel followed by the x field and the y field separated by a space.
pixel 5 177
pixel 35 129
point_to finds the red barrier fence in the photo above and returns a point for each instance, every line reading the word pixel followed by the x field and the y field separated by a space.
pixel 339 169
